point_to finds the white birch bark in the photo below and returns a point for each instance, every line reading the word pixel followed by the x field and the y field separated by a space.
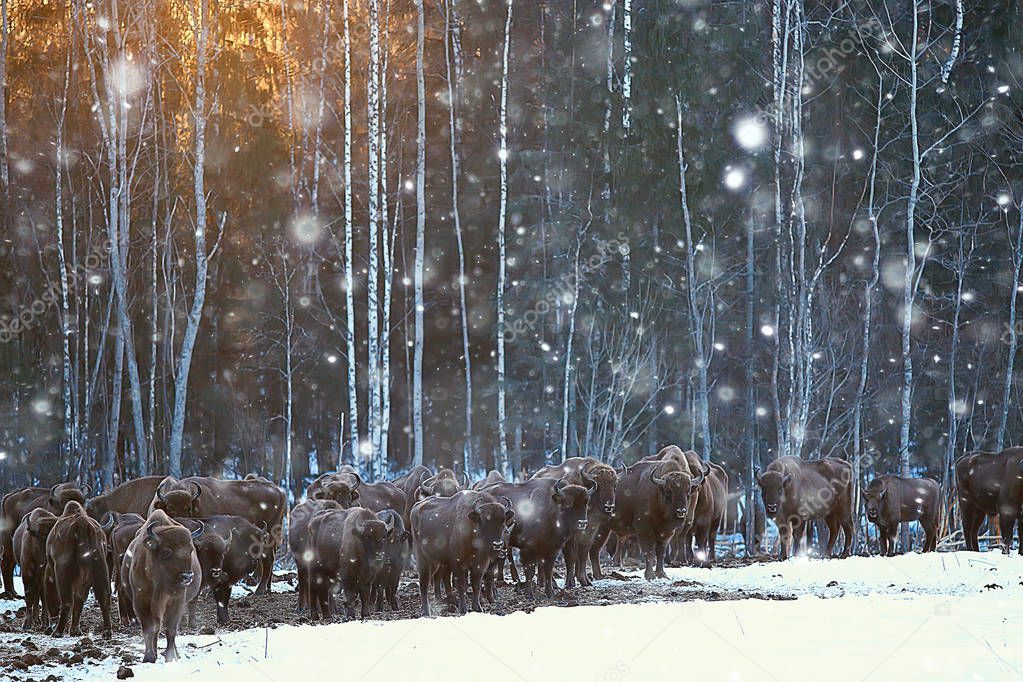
pixel 420 305
pixel 351 347
pixel 627 64
pixel 373 275
pixel 502 426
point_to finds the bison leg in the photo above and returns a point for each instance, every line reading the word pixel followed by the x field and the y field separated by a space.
pixel 660 548
pixel 547 571
pixel 150 631
pixel 266 572
pixel 365 598
pixel 784 539
pixel 530 569
pixel 7 562
pixel 424 588
pixel 222 595
pixel 303 578
pixel 171 621
pixel 101 590
pixel 893 533
pixel 833 527
pixel 476 580
pixel 571 552
pixel 1007 523
pixel 971 525
pixel 594 550
pixel 458 577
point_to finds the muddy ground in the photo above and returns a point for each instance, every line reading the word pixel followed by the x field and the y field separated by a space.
pixel 35 657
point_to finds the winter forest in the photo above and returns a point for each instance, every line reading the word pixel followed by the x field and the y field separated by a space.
pixel 274 237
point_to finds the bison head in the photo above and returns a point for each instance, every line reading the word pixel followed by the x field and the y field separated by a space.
pixel 171 547
pixel 444 484
pixel 572 501
pixel 343 489
pixel 603 480
pixel 677 489
pixel 178 500
pixel 873 497
pixel 39 523
pixel 374 534
pixel 490 520
pixel 62 493
pixel 773 485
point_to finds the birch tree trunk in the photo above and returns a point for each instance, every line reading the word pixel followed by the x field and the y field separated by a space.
pixel 452 43
pixel 69 444
pixel 502 425
pixel 201 29
pixel 909 287
pixel 1016 246
pixel 351 348
pixel 696 308
pixel 627 64
pixel 5 178
pixel 373 274
pixel 417 375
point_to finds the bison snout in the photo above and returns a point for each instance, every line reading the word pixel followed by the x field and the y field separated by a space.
pixel 185 579
pixel 380 556
pixel 609 507
pixel 216 573
pixel 771 508
pixel 581 524
pixel 497 545
pixel 681 512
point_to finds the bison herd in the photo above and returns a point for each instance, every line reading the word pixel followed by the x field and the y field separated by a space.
pixel 161 542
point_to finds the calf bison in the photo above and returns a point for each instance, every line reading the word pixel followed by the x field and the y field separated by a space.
pixel 131 497
pixel 13 508
pixel 396 556
pixel 891 500
pixel 348 549
pixel 161 569
pixel 229 549
pixel 298 531
pixel 30 552
pixel 601 480
pixel 656 498
pixel 258 502
pixel 796 491
pixel 459 535
pixel 979 477
pixel 547 512
pixel 76 558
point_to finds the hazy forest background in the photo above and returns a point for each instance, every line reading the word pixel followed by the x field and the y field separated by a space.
pixel 242 236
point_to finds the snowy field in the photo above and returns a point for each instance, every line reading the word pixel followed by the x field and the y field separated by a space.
pixel 956 616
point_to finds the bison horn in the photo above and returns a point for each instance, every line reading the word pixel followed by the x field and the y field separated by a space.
pixel 560 485
pixel 53 492
pixel 655 478
pixel 358 481
pixel 465 479
pixel 108 521
pixel 159 493
pixel 200 530
pixel 198 491
pixel 699 479
pixel 86 489
pixel 427 487
pixel 591 485
pixel 389 522
pixel 507 502
pixel 151 532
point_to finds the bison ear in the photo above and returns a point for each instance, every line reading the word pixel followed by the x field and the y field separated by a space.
pixel 787 479
pixel 509 516
pixel 319 494
pixel 881 493
pixel 159 505
pixel 355 495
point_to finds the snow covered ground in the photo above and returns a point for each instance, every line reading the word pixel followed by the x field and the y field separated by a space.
pixel 938 616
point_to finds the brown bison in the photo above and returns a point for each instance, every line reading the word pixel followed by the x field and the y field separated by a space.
pixel 601 480
pixel 76 558
pixel 710 510
pixel 348 548
pixel 13 508
pixel 444 484
pixel 491 478
pixel 796 491
pixel 258 502
pixel 547 512
pixel 891 500
pixel 459 535
pixel 122 531
pixel 656 498
pixel 162 573
pixel 229 549
pixel 979 478
pixel 298 531
pixel 131 497
pixel 1010 498
pixel 409 484
pixel 396 556
pixel 30 552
